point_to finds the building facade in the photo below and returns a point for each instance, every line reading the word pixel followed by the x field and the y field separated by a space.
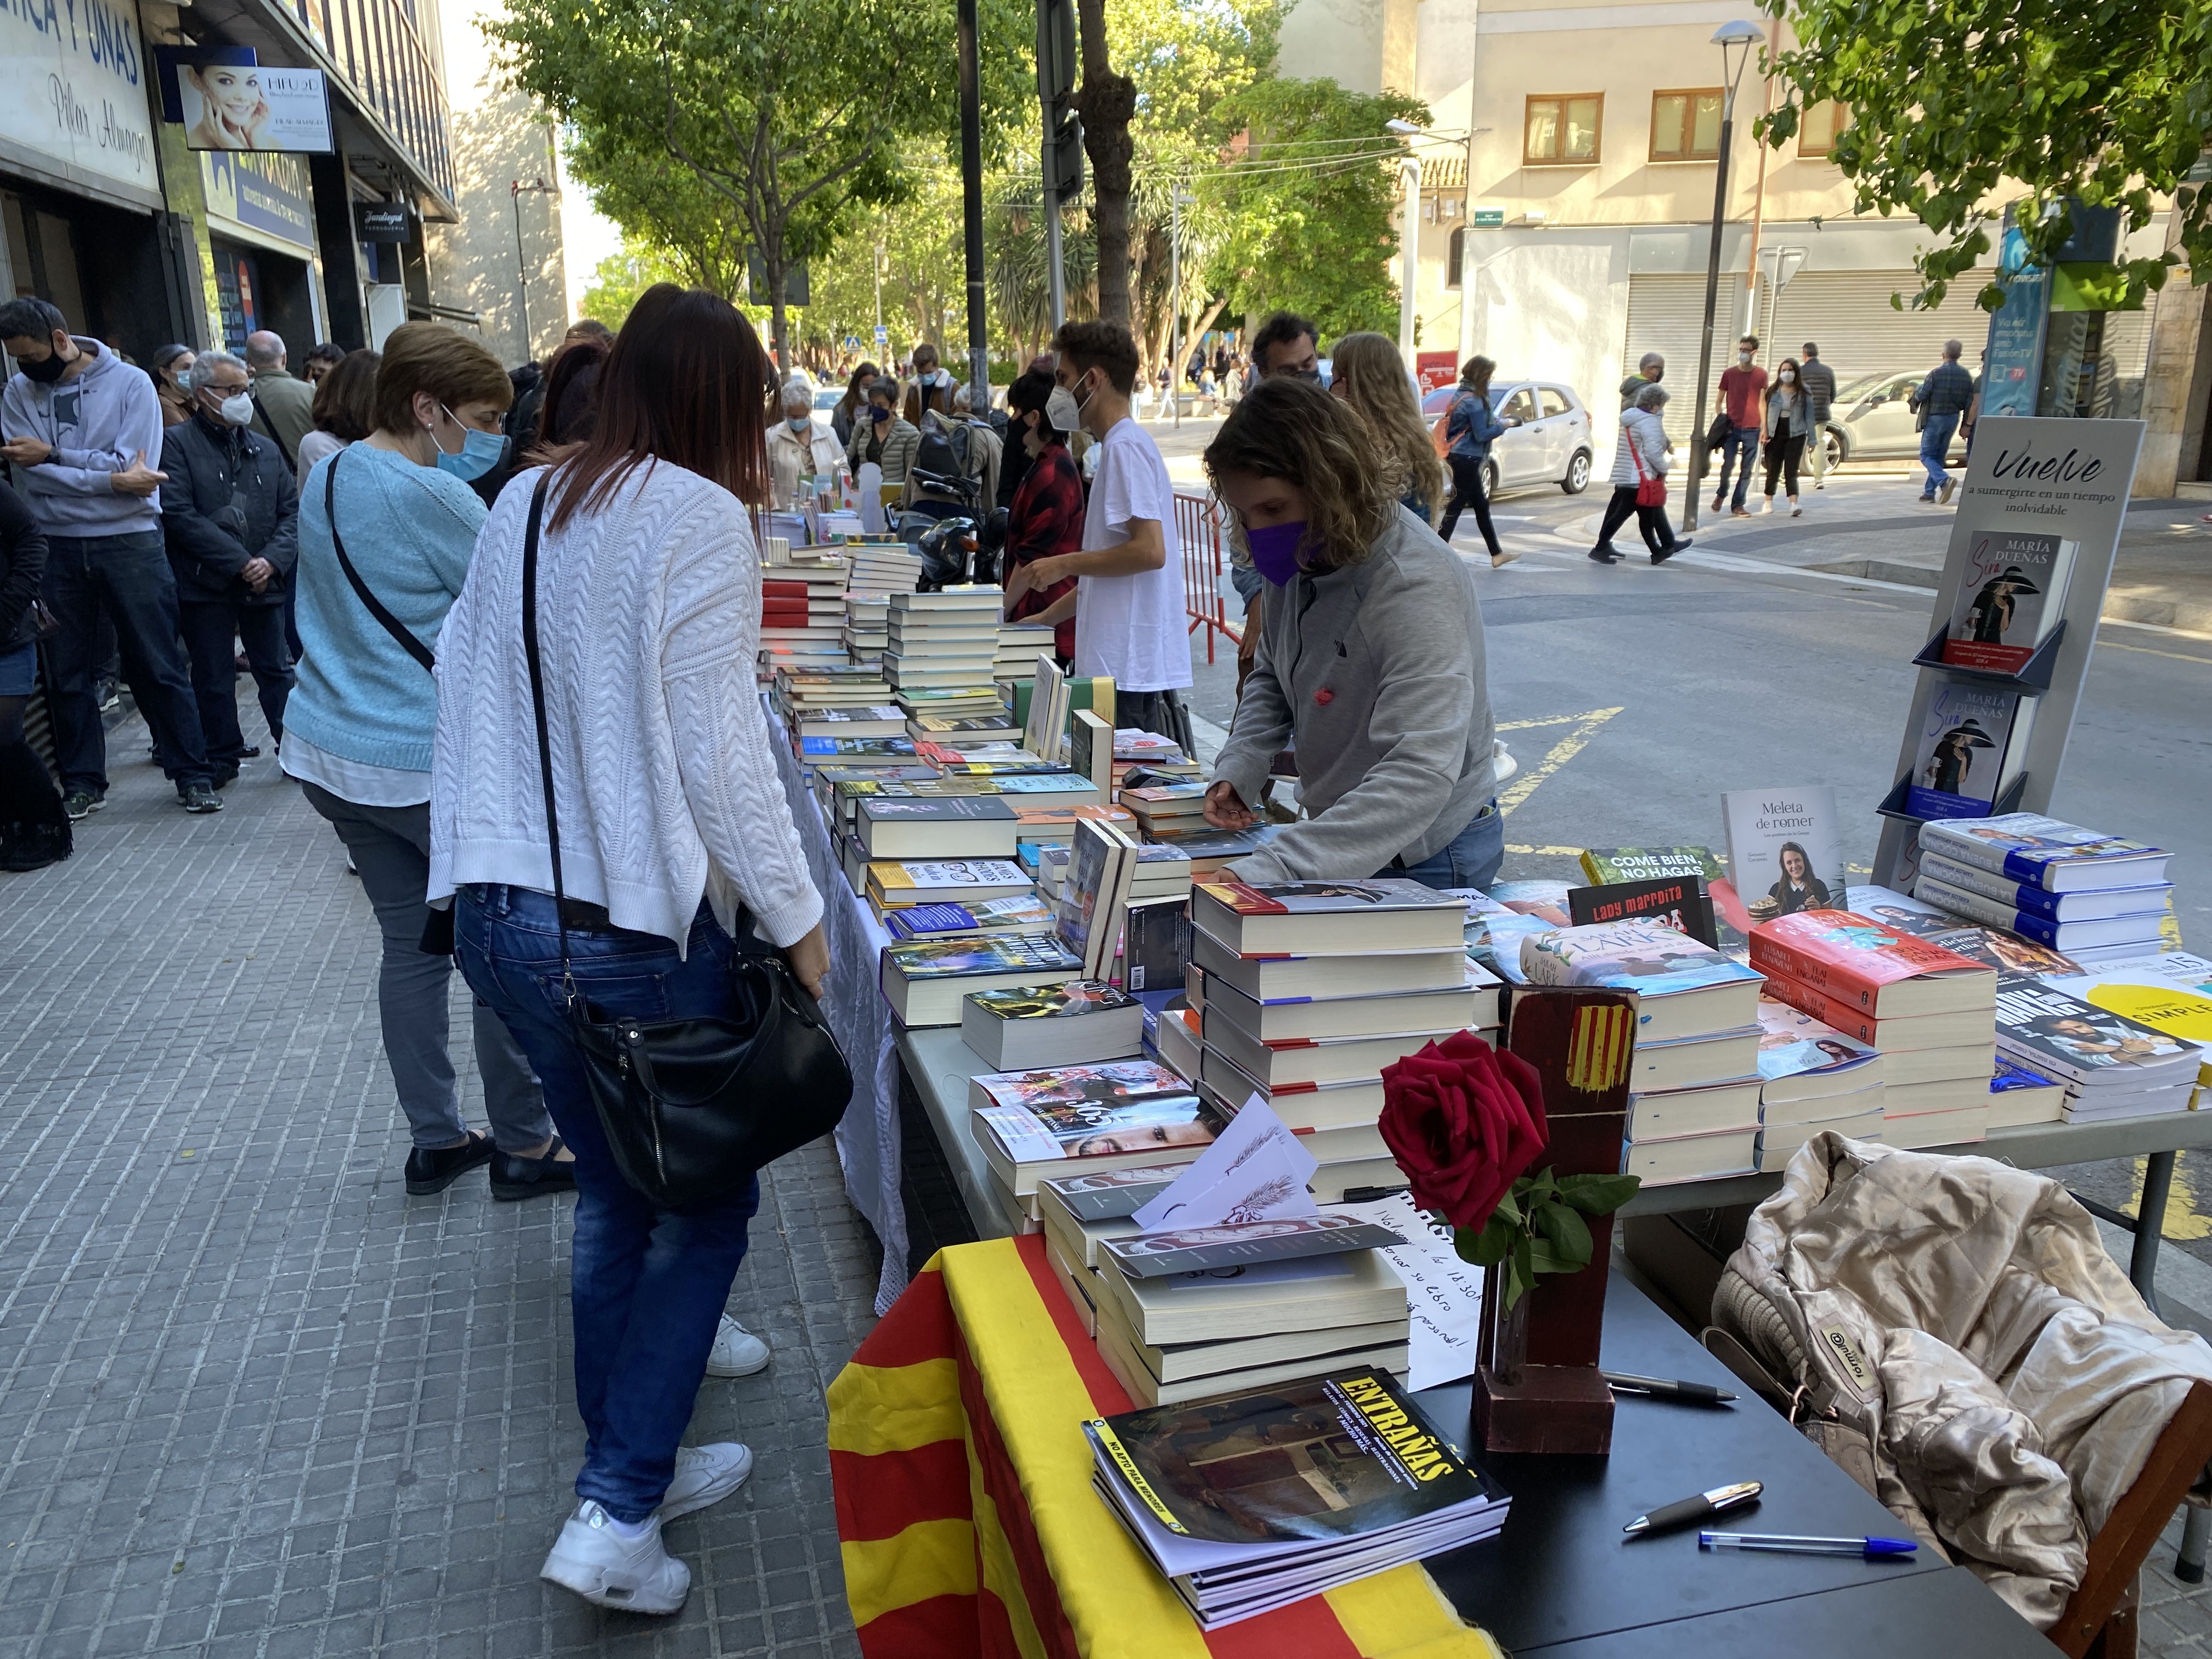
pixel 1566 209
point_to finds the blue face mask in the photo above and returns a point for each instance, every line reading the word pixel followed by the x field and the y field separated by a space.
pixel 479 453
pixel 799 424
pixel 1275 550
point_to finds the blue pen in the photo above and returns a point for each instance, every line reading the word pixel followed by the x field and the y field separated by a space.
pixel 1872 1549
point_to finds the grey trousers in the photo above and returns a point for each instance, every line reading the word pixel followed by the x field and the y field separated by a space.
pixel 391 848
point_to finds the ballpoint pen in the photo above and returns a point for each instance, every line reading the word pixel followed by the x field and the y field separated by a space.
pixel 1872 1549
pixel 1660 1387
pixel 1696 1508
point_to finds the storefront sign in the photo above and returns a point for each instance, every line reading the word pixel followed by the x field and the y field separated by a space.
pixel 383 222
pixel 265 197
pixel 2012 375
pixel 226 104
pixel 73 90
pixel 1435 369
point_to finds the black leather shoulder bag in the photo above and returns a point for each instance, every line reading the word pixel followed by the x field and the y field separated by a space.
pixel 691 1106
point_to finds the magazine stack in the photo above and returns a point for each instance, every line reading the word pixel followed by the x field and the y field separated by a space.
pixel 1259 1499
pixel 1065 1120
pixel 1311 989
pixel 1694 1078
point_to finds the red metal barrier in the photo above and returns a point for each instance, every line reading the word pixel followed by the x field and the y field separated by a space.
pixel 1204 557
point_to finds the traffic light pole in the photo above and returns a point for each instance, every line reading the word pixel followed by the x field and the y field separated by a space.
pixel 1060 155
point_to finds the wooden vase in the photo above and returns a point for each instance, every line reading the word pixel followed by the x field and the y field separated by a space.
pixel 1547 1396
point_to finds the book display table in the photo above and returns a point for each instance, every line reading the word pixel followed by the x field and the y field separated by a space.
pixel 970 1526
pixel 868 1139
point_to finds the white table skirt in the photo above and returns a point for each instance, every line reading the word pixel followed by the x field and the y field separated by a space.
pixel 868 1148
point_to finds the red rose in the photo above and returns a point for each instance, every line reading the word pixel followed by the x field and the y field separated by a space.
pixel 1464 1123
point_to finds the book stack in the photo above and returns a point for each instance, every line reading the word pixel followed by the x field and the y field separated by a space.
pixel 1929 1010
pixel 802 616
pixel 1270 1496
pixel 1694 1110
pixel 2113 1066
pixel 1210 849
pixel 868 626
pixel 1022 913
pixel 1813 1080
pixel 882 568
pixel 1075 1023
pixel 990 726
pixel 2095 897
pixel 944 641
pixel 803 693
pixel 1165 811
pixel 2171 992
pixel 1312 988
pixel 864 752
pixel 1145 759
pixel 1036 1125
pixel 868 721
pixel 926 980
pixel 2021 1098
pixel 897 828
pixel 1018 647
pixel 977 701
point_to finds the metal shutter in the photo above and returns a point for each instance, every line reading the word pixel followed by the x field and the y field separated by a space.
pixel 1848 312
pixel 1667 314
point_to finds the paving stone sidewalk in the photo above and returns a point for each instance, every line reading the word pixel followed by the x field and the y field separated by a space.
pixel 256 1402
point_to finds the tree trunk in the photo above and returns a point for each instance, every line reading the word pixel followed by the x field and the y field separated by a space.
pixel 772 271
pixel 1206 322
pixel 1106 103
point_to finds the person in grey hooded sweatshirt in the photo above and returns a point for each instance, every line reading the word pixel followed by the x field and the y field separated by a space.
pixel 79 425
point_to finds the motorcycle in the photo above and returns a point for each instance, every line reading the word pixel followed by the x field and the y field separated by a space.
pixel 952 548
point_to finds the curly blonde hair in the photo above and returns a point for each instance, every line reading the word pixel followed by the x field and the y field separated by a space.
pixel 1292 429
pixel 1372 378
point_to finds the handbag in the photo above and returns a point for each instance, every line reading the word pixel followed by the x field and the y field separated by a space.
pixel 691 1106
pixel 392 624
pixel 1650 488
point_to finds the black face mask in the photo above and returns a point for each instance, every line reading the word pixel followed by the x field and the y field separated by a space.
pixel 46 371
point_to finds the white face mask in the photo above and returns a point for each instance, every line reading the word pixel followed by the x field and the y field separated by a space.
pixel 1062 410
pixel 1787 376
pixel 1744 357
pixel 238 409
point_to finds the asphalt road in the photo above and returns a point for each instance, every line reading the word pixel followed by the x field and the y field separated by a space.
pixel 1631 696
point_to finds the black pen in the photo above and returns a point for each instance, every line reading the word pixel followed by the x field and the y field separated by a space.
pixel 1696 1508
pixel 1660 1387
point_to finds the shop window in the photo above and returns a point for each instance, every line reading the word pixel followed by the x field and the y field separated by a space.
pixel 1455 259
pixel 1686 127
pixel 1562 130
pixel 1817 125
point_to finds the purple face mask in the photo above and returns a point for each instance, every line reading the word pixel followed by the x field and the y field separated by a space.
pixel 1275 550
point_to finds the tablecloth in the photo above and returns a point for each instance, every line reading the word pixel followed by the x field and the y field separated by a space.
pixel 968 1525
pixel 859 1019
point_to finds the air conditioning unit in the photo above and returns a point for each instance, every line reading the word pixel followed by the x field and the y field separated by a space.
pixel 1533 216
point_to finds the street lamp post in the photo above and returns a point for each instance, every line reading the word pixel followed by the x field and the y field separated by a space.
pixel 1409 243
pixel 1737 39
pixel 1178 199
pixel 515 192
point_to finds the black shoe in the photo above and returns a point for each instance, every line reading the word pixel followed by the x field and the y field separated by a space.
pixel 28 847
pixel 83 803
pixel 1667 553
pixel 431 1172
pixel 250 752
pixel 198 798
pixel 226 775
pixel 513 1177
pixel 1603 556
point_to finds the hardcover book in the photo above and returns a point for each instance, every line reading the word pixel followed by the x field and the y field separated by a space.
pixel 1327 917
pixel 1866 965
pixel 2098 905
pixel 1675 902
pixel 2141 928
pixel 1101 862
pixel 1962 756
pixel 2046 852
pixel 1784 854
pixel 2012 596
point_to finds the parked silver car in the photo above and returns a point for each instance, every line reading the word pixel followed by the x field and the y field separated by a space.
pixel 1870 420
pixel 1551 444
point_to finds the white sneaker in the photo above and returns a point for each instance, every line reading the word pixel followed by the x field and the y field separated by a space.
pixel 737 1351
pixel 705 1475
pixel 637 1574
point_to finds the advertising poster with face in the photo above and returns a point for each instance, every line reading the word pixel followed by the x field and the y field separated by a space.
pixel 225 100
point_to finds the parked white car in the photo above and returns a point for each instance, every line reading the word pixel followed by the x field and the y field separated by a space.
pixel 1868 420
pixel 1551 444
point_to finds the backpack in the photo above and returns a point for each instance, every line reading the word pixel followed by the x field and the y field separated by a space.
pixel 936 452
pixel 963 447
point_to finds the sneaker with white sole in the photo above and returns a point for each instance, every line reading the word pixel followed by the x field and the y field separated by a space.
pixel 737 1351
pixel 636 1574
pixel 705 1475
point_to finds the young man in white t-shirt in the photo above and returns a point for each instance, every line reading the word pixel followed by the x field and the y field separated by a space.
pixel 1130 617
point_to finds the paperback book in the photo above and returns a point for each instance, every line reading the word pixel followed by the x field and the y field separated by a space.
pixel 1870 966
pixel 1784 851
pixel 1960 759
pixel 1071 1024
pixel 1658 965
pixel 925 980
pixel 2046 852
pixel 2153 898
pixel 1327 917
pixel 1023 912
pixel 1246 1244
pixel 2012 596
pixel 1675 902
pixel 2048 1030
pixel 1607 865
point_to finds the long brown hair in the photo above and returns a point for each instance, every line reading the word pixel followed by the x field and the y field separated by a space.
pixel 571 401
pixel 345 397
pixel 686 383
pixel 1289 429
pixel 1372 377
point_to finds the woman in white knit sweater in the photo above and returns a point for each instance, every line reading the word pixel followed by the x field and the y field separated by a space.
pixel 676 843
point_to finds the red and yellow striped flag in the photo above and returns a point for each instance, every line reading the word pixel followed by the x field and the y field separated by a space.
pixel 970 1528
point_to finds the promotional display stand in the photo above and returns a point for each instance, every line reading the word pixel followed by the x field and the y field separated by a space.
pixel 2057 489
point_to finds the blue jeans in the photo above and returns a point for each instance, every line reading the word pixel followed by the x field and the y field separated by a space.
pixel 128 577
pixel 1470 860
pixel 1934 444
pixel 645 1287
pixel 1740 445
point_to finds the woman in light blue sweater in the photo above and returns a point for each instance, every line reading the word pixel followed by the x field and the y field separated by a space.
pixel 386 529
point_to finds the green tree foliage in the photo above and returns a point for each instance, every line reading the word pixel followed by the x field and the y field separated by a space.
pixel 2108 102
pixel 1306 204
pixel 786 111
pixel 621 277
